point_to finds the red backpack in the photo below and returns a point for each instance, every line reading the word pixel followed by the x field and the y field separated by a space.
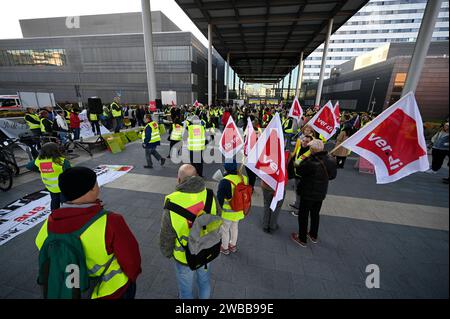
pixel 242 197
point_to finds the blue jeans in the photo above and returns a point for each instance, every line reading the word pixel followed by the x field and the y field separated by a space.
pixel 185 280
pixel 76 133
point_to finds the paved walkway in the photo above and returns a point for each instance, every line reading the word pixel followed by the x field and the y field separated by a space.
pixel 401 227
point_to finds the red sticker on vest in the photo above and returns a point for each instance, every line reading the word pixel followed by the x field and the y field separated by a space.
pixel 197 132
pixel 46 167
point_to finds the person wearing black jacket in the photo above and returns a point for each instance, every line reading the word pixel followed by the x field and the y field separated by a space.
pixel 315 173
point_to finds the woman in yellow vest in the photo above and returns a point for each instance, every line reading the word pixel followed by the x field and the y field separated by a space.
pixel 150 140
pixel 50 163
pixel 110 248
pixel 230 217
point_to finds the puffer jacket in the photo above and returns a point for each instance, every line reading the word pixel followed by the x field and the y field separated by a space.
pixel 315 173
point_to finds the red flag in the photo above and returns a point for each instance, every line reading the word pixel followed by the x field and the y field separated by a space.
pixel 324 122
pixel 230 141
pixel 196 104
pixel 357 123
pixel 393 142
pixel 267 159
pixel 296 110
pixel 173 103
pixel 152 106
pixel 250 137
pixel 337 114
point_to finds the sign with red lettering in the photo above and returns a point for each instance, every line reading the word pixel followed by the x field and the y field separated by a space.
pixel 152 106
pixel 46 167
pixel 393 142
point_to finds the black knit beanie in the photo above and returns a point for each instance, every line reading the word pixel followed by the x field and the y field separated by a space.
pixel 76 182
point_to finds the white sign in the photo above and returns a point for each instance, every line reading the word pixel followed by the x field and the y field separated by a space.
pixel 29 211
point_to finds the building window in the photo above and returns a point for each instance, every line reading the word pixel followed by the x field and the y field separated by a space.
pixel 399 82
pixel 172 53
pixel 52 57
pixel 194 79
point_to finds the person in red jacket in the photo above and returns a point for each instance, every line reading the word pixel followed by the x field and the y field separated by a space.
pixel 75 123
pixel 81 191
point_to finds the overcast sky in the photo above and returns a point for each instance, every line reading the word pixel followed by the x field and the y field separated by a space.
pixel 14 10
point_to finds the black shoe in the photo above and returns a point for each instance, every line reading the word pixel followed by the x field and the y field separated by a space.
pixel 266 230
pixel 168 156
pixel 146 166
pixel 445 180
pixel 163 160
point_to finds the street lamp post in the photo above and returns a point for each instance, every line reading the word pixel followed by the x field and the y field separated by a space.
pixel 371 93
pixel 373 105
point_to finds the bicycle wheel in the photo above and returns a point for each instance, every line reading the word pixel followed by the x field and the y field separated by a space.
pixel 6 178
pixel 12 166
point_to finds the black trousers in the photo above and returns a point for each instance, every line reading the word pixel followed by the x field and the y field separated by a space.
pixel 196 159
pixel 308 208
pixel 340 161
pixel 438 158
pixel 56 201
pixel 251 176
pixel 95 127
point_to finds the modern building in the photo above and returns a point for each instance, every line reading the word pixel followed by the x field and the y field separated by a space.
pixel 375 80
pixel 103 55
pixel 377 23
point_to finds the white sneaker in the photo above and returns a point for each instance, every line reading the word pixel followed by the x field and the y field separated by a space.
pixel 294 213
pixel 430 171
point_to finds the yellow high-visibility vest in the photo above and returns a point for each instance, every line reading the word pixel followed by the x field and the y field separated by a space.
pixel 97 257
pixel 116 113
pixel 50 172
pixel 177 132
pixel 155 132
pixel 180 224
pixel 33 126
pixel 196 137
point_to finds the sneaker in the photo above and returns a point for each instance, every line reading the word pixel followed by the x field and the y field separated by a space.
pixel 168 156
pixel 224 251
pixel 266 230
pixel 232 248
pixel 294 213
pixel 293 206
pixel 313 239
pixel 163 160
pixel 294 237
pixel 146 166
pixel 430 171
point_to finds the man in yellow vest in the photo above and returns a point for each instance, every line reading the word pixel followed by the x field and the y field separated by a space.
pixel 176 134
pixel 46 124
pixel 231 218
pixel 111 250
pixel 300 153
pixel 196 143
pixel 191 194
pixel 95 122
pixel 117 114
pixel 33 121
pixel 150 140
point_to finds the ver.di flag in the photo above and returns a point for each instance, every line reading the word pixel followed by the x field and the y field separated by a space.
pixel 267 159
pixel 296 110
pixel 337 115
pixel 231 140
pixel 250 137
pixel 324 122
pixel 196 104
pixel 393 142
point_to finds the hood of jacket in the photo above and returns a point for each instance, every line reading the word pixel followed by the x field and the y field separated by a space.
pixel 194 184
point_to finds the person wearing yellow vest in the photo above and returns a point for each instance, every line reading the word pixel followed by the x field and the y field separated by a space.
pixel 33 121
pixel 196 143
pixel 288 130
pixel 150 140
pixel 176 134
pixel 95 122
pixel 117 114
pixel 231 218
pixel 45 124
pixel 301 153
pixel 50 163
pixel 110 248
pixel 191 194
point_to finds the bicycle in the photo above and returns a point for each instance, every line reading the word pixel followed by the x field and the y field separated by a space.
pixel 6 178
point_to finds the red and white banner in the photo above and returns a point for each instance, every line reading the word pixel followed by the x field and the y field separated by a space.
pixel 250 137
pixel 29 211
pixel 267 159
pixel 393 142
pixel 337 114
pixel 296 110
pixel 231 140
pixel 324 122
pixel 196 104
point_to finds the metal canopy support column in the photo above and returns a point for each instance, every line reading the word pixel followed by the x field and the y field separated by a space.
pixel 148 45
pixel 324 62
pixel 422 44
pixel 301 65
pixel 210 95
pixel 227 77
pixel 289 85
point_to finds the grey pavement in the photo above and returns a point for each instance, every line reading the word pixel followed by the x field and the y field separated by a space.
pixel 413 260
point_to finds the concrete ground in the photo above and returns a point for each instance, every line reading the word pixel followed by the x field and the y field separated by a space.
pixel 402 227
